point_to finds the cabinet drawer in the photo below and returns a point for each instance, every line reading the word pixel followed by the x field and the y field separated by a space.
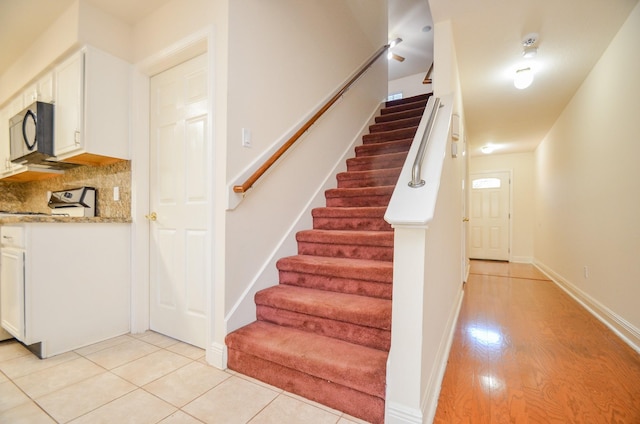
pixel 12 236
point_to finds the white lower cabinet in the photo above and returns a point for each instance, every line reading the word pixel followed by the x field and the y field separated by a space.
pixel 68 286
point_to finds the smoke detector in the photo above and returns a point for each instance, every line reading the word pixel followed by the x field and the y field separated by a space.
pixel 529 45
pixel 530 40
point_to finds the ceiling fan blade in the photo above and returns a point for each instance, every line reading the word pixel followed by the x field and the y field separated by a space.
pixel 397 57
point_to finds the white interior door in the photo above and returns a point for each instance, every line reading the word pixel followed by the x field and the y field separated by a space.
pixel 489 217
pixel 180 233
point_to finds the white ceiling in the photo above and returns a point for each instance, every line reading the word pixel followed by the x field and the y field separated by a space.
pixel 488 36
pixel 487 33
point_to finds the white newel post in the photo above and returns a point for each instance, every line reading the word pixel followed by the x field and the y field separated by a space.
pixel 404 372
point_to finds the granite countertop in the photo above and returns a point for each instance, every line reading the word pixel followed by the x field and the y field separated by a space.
pixel 29 219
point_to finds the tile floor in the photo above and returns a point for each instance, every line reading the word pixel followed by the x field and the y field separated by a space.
pixel 141 378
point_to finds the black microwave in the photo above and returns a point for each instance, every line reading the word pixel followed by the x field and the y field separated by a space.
pixel 31 134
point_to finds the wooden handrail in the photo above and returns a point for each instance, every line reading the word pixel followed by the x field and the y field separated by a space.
pixel 427 78
pixel 269 162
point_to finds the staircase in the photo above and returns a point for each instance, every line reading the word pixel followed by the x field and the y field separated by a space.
pixel 324 332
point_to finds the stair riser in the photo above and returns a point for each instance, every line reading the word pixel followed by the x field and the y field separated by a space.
pixel 364 224
pixel 412 99
pixel 377 253
pixel 372 163
pixel 400 115
pixel 389 136
pixel 353 402
pixel 403 107
pixel 394 125
pixel 368 182
pixel 358 201
pixel 374 338
pixel 336 284
pixel 383 148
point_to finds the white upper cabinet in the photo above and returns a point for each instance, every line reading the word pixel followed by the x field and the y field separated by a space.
pixel 68 106
pixel 42 90
pixel 92 108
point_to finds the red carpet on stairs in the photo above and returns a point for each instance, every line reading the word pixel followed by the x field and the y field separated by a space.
pixel 324 331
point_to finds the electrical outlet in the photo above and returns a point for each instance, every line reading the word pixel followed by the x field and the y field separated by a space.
pixel 246 138
pixel 586 271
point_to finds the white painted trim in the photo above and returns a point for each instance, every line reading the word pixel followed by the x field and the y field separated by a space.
pixel 429 403
pixel 217 355
pixel 521 259
pixel 621 327
pixel 400 414
pixel 276 254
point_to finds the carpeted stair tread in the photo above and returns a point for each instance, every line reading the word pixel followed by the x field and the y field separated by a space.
pixel 402 107
pixel 344 363
pixel 412 99
pixel 391 135
pixel 375 245
pixel 369 163
pixel 394 125
pixel 349 308
pixel 350 218
pixel 400 115
pixel 360 196
pixel 337 396
pixel 369 178
pixel 384 147
pixel 356 269
pixel 375 338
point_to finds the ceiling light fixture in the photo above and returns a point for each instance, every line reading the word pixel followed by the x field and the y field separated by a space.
pixel 529 52
pixel 487 149
pixel 426 28
pixel 523 78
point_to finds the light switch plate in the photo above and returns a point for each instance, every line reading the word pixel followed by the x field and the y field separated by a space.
pixel 246 137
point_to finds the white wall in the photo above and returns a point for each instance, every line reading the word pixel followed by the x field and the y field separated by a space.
pixel 285 58
pixel 522 200
pixel 409 86
pixel 587 195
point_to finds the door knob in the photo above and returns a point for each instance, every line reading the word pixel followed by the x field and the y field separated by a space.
pixel 465 219
pixel 152 216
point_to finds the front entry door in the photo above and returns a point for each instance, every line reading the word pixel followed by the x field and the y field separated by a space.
pixel 489 217
pixel 180 233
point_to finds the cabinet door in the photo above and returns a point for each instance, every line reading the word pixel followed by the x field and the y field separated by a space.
pixel 12 292
pixel 69 77
pixel 5 164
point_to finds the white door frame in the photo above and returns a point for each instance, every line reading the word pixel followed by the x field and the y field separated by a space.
pixel 472 175
pixel 192 46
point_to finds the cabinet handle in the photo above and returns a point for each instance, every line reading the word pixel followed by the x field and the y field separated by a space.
pixel 8 238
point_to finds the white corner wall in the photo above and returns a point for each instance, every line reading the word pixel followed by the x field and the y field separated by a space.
pixel 292 58
pixel 522 198
pixel 410 85
pixel 587 235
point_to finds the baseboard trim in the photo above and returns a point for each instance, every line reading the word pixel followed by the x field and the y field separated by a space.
pixel 400 414
pixel 621 327
pixel 217 356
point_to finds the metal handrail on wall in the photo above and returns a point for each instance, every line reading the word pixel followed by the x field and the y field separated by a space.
pixel 240 189
pixel 416 170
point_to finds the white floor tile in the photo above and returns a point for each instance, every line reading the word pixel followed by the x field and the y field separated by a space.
pixel 138 407
pixel 27 413
pixel 285 409
pixel 186 384
pixel 151 367
pixel 233 401
pixel 85 396
pixel 121 353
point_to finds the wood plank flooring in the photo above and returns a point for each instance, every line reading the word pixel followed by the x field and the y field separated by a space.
pixel 526 352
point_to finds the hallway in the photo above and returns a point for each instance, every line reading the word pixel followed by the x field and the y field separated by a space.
pixel 524 351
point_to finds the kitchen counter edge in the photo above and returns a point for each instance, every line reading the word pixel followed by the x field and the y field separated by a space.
pixel 62 219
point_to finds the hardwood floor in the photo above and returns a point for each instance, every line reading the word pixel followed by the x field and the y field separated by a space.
pixel 526 352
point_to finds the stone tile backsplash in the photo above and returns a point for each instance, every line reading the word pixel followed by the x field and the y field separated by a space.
pixel 32 196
